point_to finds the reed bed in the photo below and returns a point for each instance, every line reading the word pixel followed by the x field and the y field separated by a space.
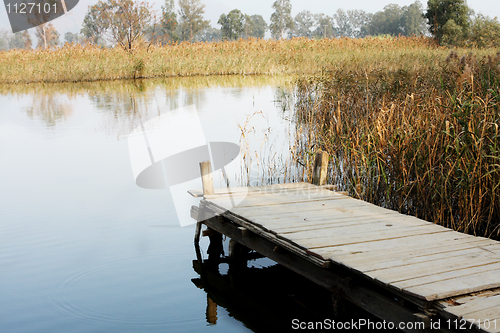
pixel 76 63
pixel 420 139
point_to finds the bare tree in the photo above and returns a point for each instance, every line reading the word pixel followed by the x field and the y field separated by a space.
pixel 123 22
pixel 191 18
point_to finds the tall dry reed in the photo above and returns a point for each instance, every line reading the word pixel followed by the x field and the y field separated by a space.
pixel 423 140
pixel 74 63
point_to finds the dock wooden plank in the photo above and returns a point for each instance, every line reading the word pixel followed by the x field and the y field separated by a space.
pixel 367 261
pixel 320 242
pixel 399 252
pixel 276 188
pixel 457 286
pixel 271 200
pixel 331 251
pixel 446 276
pixel 480 304
pixel 488 313
pixel 318 218
pixel 371 264
pixel 380 227
pixel 413 250
pixel 331 206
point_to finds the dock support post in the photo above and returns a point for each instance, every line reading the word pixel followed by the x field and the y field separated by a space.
pixel 320 168
pixel 238 254
pixel 206 178
pixel 338 304
pixel 208 189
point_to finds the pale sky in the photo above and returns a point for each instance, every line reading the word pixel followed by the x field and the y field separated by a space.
pixel 214 8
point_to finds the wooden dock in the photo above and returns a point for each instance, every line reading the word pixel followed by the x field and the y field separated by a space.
pixel 397 267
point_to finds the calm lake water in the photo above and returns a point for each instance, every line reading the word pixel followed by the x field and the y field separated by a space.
pixel 84 249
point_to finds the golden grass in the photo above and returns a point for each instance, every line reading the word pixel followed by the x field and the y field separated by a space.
pixel 420 139
pixel 74 63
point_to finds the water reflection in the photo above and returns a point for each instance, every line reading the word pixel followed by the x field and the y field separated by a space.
pixel 50 108
pixel 264 296
pixel 84 249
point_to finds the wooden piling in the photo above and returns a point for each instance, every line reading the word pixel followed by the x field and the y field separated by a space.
pixel 320 168
pixel 208 188
pixel 206 178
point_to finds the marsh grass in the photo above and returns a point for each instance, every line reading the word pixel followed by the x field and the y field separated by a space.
pixel 423 140
pixel 75 63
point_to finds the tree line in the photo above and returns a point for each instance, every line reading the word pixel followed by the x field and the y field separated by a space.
pixel 129 23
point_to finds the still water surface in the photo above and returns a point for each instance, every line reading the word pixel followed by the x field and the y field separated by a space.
pixel 82 248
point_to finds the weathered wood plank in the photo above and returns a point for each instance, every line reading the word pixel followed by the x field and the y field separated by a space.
pixel 300 223
pixel 371 265
pixel 379 227
pixel 443 288
pixel 318 217
pixel 457 286
pixel 341 240
pixel 271 200
pixel 380 259
pixel 475 306
pixel 445 276
pixel 389 244
pixel 277 188
pixel 333 206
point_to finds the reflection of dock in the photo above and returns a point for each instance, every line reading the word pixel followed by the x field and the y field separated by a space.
pixel 397 267
pixel 264 299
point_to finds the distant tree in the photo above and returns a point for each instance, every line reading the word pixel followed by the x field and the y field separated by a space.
pixel 325 26
pixel 255 26
pixel 448 19
pixel 4 40
pixel 20 40
pixel 209 34
pixel 303 24
pixel 169 24
pixel 47 36
pixel 389 21
pixel 342 23
pixel 281 19
pixel 359 21
pixel 484 32
pixel 232 24
pixel 70 37
pixel 413 18
pixel 352 23
pixel 395 20
pixel 124 23
pixel 191 20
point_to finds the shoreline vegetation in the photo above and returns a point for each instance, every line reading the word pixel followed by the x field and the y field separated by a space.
pixel 422 140
pixel 76 63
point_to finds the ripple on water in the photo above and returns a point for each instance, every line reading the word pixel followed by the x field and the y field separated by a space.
pixel 141 291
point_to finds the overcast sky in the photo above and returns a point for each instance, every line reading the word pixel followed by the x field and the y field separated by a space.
pixel 214 8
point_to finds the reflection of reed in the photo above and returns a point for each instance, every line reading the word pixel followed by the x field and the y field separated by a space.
pixel 172 83
pixel 49 107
